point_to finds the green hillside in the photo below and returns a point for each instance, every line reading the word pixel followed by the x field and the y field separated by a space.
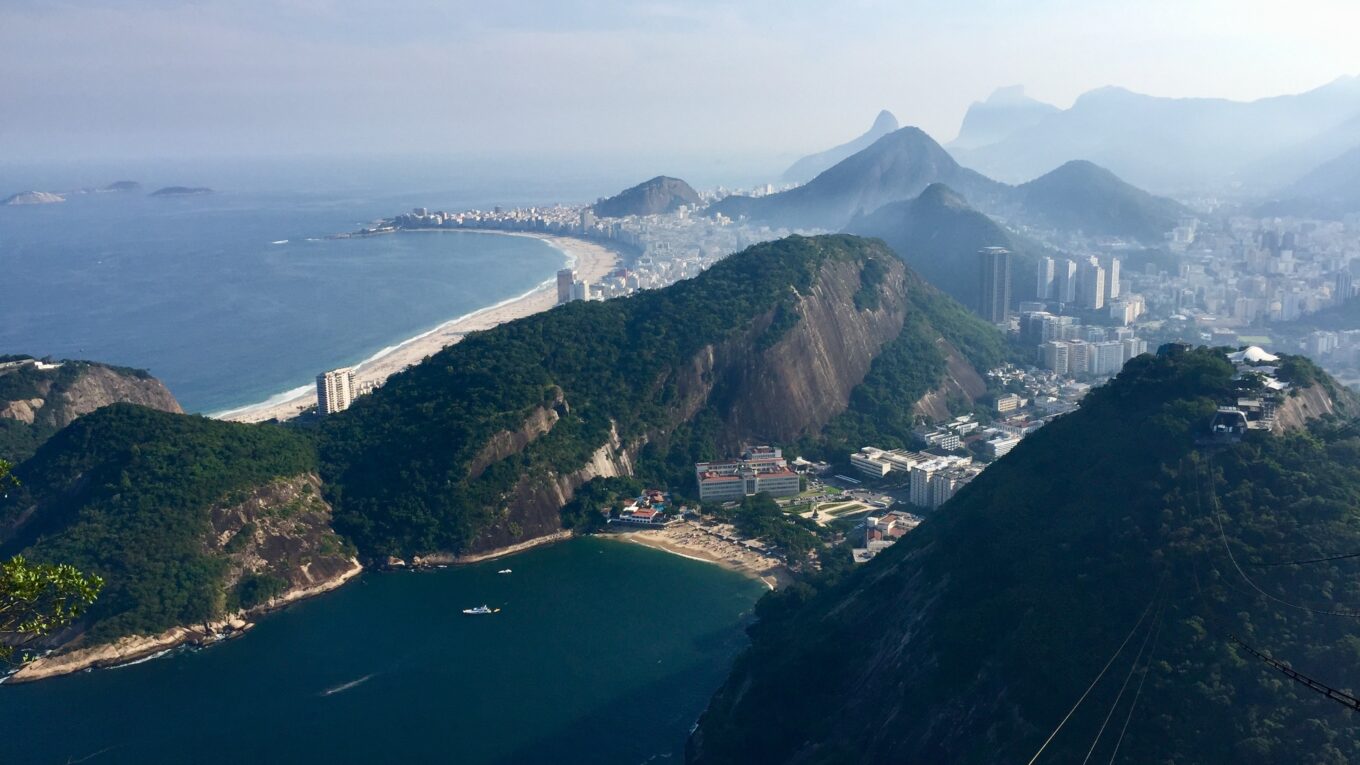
pixel 124 493
pixel 408 465
pixel 972 639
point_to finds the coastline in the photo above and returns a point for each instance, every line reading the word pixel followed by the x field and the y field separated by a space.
pixel 134 649
pixel 590 259
pixel 687 540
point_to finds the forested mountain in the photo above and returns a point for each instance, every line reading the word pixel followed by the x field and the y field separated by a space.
pixel 813 341
pixel 1081 196
pixel 482 444
pixel 1005 112
pixel 654 197
pixel 1110 568
pixel 187 519
pixel 813 165
pixel 37 399
pixel 1169 145
pixel 897 166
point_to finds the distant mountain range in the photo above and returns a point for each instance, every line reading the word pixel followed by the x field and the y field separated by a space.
pixel 872 186
pixel 898 166
pixel 1081 196
pixel 1176 144
pixel 661 194
pixel 811 166
pixel 1005 112
pixel 1331 190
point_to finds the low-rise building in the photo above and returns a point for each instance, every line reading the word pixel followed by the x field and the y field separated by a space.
pixel 761 469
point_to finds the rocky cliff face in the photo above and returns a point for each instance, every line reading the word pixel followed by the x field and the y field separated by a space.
pixel 1311 402
pixel 764 389
pixel 279 532
pixel 38 399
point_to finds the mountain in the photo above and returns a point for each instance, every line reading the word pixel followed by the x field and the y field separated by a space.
pixel 1331 190
pixel 32 198
pixel 1006 111
pixel 181 191
pixel 938 235
pixel 38 398
pixel 1081 196
pixel 659 195
pixel 816 342
pixel 813 165
pixel 193 524
pixel 481 445
pixel 1105 577
pixel 1168 145
pixel 897 166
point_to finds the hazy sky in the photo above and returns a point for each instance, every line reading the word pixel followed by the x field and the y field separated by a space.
pixel 129 78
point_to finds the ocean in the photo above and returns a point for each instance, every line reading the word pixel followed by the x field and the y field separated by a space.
pixel 234 297
pixel 604 652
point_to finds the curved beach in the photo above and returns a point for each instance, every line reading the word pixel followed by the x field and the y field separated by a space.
pixel 591 260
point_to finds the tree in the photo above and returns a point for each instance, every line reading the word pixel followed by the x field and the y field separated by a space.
pixel 38 598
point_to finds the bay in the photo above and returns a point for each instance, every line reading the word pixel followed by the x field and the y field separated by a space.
pixel 604 652
pixel 234 297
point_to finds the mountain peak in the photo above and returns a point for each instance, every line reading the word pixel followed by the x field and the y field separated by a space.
pixel 661 194
pixel 811 166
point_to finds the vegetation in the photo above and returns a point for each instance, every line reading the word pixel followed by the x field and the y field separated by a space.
pixel 123 493
pixel 759 517
pixel 397 464
pixel 970 639
pixel 36 600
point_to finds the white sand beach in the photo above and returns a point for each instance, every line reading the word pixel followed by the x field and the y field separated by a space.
pixel 591 260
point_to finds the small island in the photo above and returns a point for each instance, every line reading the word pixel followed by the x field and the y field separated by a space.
pixel 33 198
pixel 123 186
pixel 181 191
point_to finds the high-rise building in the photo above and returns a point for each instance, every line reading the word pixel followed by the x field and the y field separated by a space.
pixel 335 390
pixel 1045 279
pixel 1065 281
pixel 995 292
pixel 1091 284
pixel 565 278
pixel 580 290
pixel 1111 265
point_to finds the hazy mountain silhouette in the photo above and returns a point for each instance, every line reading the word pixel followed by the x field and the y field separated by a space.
pixel 1006 111
pixel 811 166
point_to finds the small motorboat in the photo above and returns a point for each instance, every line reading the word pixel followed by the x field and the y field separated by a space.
pixel 482 609
pixel 503 571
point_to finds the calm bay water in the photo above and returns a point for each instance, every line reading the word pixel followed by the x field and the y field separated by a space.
pixel 605 652
pixel 206 293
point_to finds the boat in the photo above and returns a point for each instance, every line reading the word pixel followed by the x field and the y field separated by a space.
pixel 503 571
pixel 482 609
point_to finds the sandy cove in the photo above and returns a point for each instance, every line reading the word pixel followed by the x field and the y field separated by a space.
pixel 135 647
pixel 696 542
pixel 591 260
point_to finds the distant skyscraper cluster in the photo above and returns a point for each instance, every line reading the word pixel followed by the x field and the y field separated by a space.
pixel 1090 282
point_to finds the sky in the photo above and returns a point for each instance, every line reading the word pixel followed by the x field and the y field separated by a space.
pixel 152 78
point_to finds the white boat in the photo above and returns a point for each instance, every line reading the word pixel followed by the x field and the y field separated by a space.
pixel 503 571
pixel 482 609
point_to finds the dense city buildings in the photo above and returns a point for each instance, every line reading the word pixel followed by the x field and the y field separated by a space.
pixel 335 390
pixel 761 469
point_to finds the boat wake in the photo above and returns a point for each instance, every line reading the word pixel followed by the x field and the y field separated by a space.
pixel 341 688
pixel 281 241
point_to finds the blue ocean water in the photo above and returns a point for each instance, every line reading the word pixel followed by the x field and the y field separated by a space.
pixel 232 297
pixel 604 652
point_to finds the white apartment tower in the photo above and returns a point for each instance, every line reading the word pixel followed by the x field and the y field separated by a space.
pixel 334 390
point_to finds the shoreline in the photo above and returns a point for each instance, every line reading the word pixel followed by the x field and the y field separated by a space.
pixel 134 649
pixel 592 260
pixel 681 540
